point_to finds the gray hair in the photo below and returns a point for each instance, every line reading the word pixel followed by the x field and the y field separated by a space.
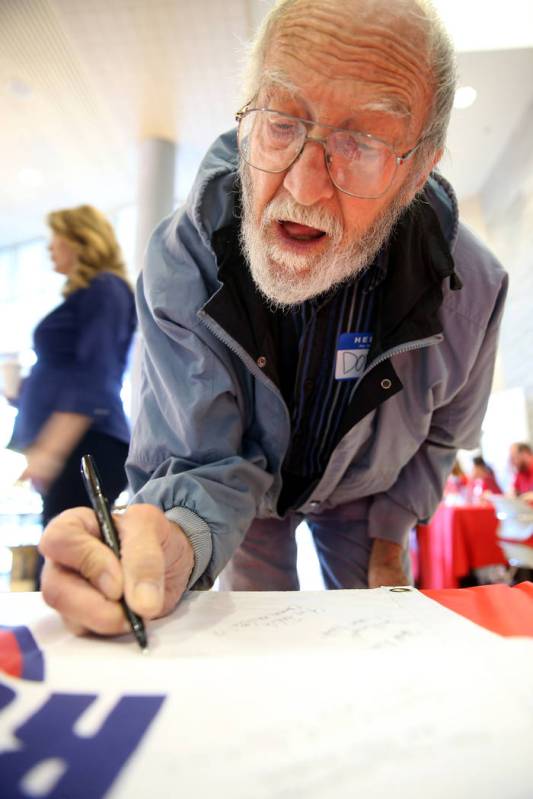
pixel 440 55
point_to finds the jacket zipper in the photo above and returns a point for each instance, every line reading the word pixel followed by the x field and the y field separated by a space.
pixel 409 346
pixel 230 343
pixel 247 359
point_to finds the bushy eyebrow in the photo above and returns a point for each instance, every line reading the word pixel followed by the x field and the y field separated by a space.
pixel 277 78
pixel 388 105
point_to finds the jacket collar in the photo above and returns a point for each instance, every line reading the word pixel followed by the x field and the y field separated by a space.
pixel 418 261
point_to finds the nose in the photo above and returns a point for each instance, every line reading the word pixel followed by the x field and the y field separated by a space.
pixel 308 179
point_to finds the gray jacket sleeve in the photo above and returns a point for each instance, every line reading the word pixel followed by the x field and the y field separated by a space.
pixel 190 453
pixel 456 425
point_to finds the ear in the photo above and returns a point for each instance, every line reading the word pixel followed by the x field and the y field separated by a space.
pixel 430 164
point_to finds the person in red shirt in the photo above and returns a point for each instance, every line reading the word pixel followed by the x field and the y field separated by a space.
pixel 482 477
pixel 521 458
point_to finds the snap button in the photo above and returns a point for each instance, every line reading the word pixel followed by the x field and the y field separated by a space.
pixel 386 383
pixel 261 361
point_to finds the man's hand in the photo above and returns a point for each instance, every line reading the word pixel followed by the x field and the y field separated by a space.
pixel 385 566
pixel 83 580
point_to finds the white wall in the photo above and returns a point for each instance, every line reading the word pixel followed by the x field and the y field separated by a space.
pixel 502 215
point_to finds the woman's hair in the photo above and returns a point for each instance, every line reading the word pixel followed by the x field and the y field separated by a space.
pixel 457 469
pixel 93 239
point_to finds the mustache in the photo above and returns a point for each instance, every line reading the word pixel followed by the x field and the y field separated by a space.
pixel 287 210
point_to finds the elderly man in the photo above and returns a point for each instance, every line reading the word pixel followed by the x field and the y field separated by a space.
pixel 318 329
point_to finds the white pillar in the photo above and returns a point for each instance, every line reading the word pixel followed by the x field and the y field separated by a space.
pixel 155 190
pixel 155 200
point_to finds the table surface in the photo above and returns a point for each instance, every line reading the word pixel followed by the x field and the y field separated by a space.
pixel 255 695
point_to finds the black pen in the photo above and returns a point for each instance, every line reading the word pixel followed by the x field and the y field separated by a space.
pixel 109 535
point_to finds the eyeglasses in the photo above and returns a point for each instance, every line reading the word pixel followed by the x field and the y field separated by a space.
pixel 358 164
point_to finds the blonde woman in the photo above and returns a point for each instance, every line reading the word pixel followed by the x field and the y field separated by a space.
pixel 70 404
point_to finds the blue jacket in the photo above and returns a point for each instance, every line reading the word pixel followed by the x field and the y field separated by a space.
pixel 82 349
pixel 213 428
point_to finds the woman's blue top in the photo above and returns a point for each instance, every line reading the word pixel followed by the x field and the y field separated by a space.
pixel 82 350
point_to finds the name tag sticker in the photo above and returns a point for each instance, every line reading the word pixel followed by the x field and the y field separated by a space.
pixel 352 352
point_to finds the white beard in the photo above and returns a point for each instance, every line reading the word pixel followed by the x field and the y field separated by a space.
pixel 286 278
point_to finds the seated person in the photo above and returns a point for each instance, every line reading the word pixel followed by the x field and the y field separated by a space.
pixel 483 478
pixel 521 459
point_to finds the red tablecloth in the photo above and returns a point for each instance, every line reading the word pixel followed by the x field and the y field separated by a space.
pixel 457 540
pixel 504 610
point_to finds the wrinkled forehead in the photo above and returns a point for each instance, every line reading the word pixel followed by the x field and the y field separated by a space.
pixel 276 82
pixel 377 60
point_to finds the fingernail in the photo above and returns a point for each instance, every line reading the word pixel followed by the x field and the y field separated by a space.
pixel 148 596
pixel 107 585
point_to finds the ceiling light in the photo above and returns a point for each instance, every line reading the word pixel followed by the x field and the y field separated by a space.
pixel 465 96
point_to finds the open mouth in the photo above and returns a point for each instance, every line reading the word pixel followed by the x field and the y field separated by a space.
pixel 295 232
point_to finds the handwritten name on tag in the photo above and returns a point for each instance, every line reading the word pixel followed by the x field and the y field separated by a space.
pixel 352 354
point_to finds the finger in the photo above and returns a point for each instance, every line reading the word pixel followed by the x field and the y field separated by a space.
pixel 72 540
pixel 142 529
pixel 82 606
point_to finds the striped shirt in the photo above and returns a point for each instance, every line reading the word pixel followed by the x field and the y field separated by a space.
pixel 308 336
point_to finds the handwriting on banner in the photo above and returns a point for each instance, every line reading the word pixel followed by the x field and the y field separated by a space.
pixel 203 627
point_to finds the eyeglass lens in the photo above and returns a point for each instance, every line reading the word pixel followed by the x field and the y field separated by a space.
pixel 356 163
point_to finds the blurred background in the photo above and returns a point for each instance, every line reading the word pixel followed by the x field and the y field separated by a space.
pixel 113 103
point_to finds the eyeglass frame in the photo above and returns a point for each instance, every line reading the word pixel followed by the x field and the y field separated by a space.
pixel 398 159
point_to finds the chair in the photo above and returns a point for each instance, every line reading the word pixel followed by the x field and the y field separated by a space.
pixel 515 534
